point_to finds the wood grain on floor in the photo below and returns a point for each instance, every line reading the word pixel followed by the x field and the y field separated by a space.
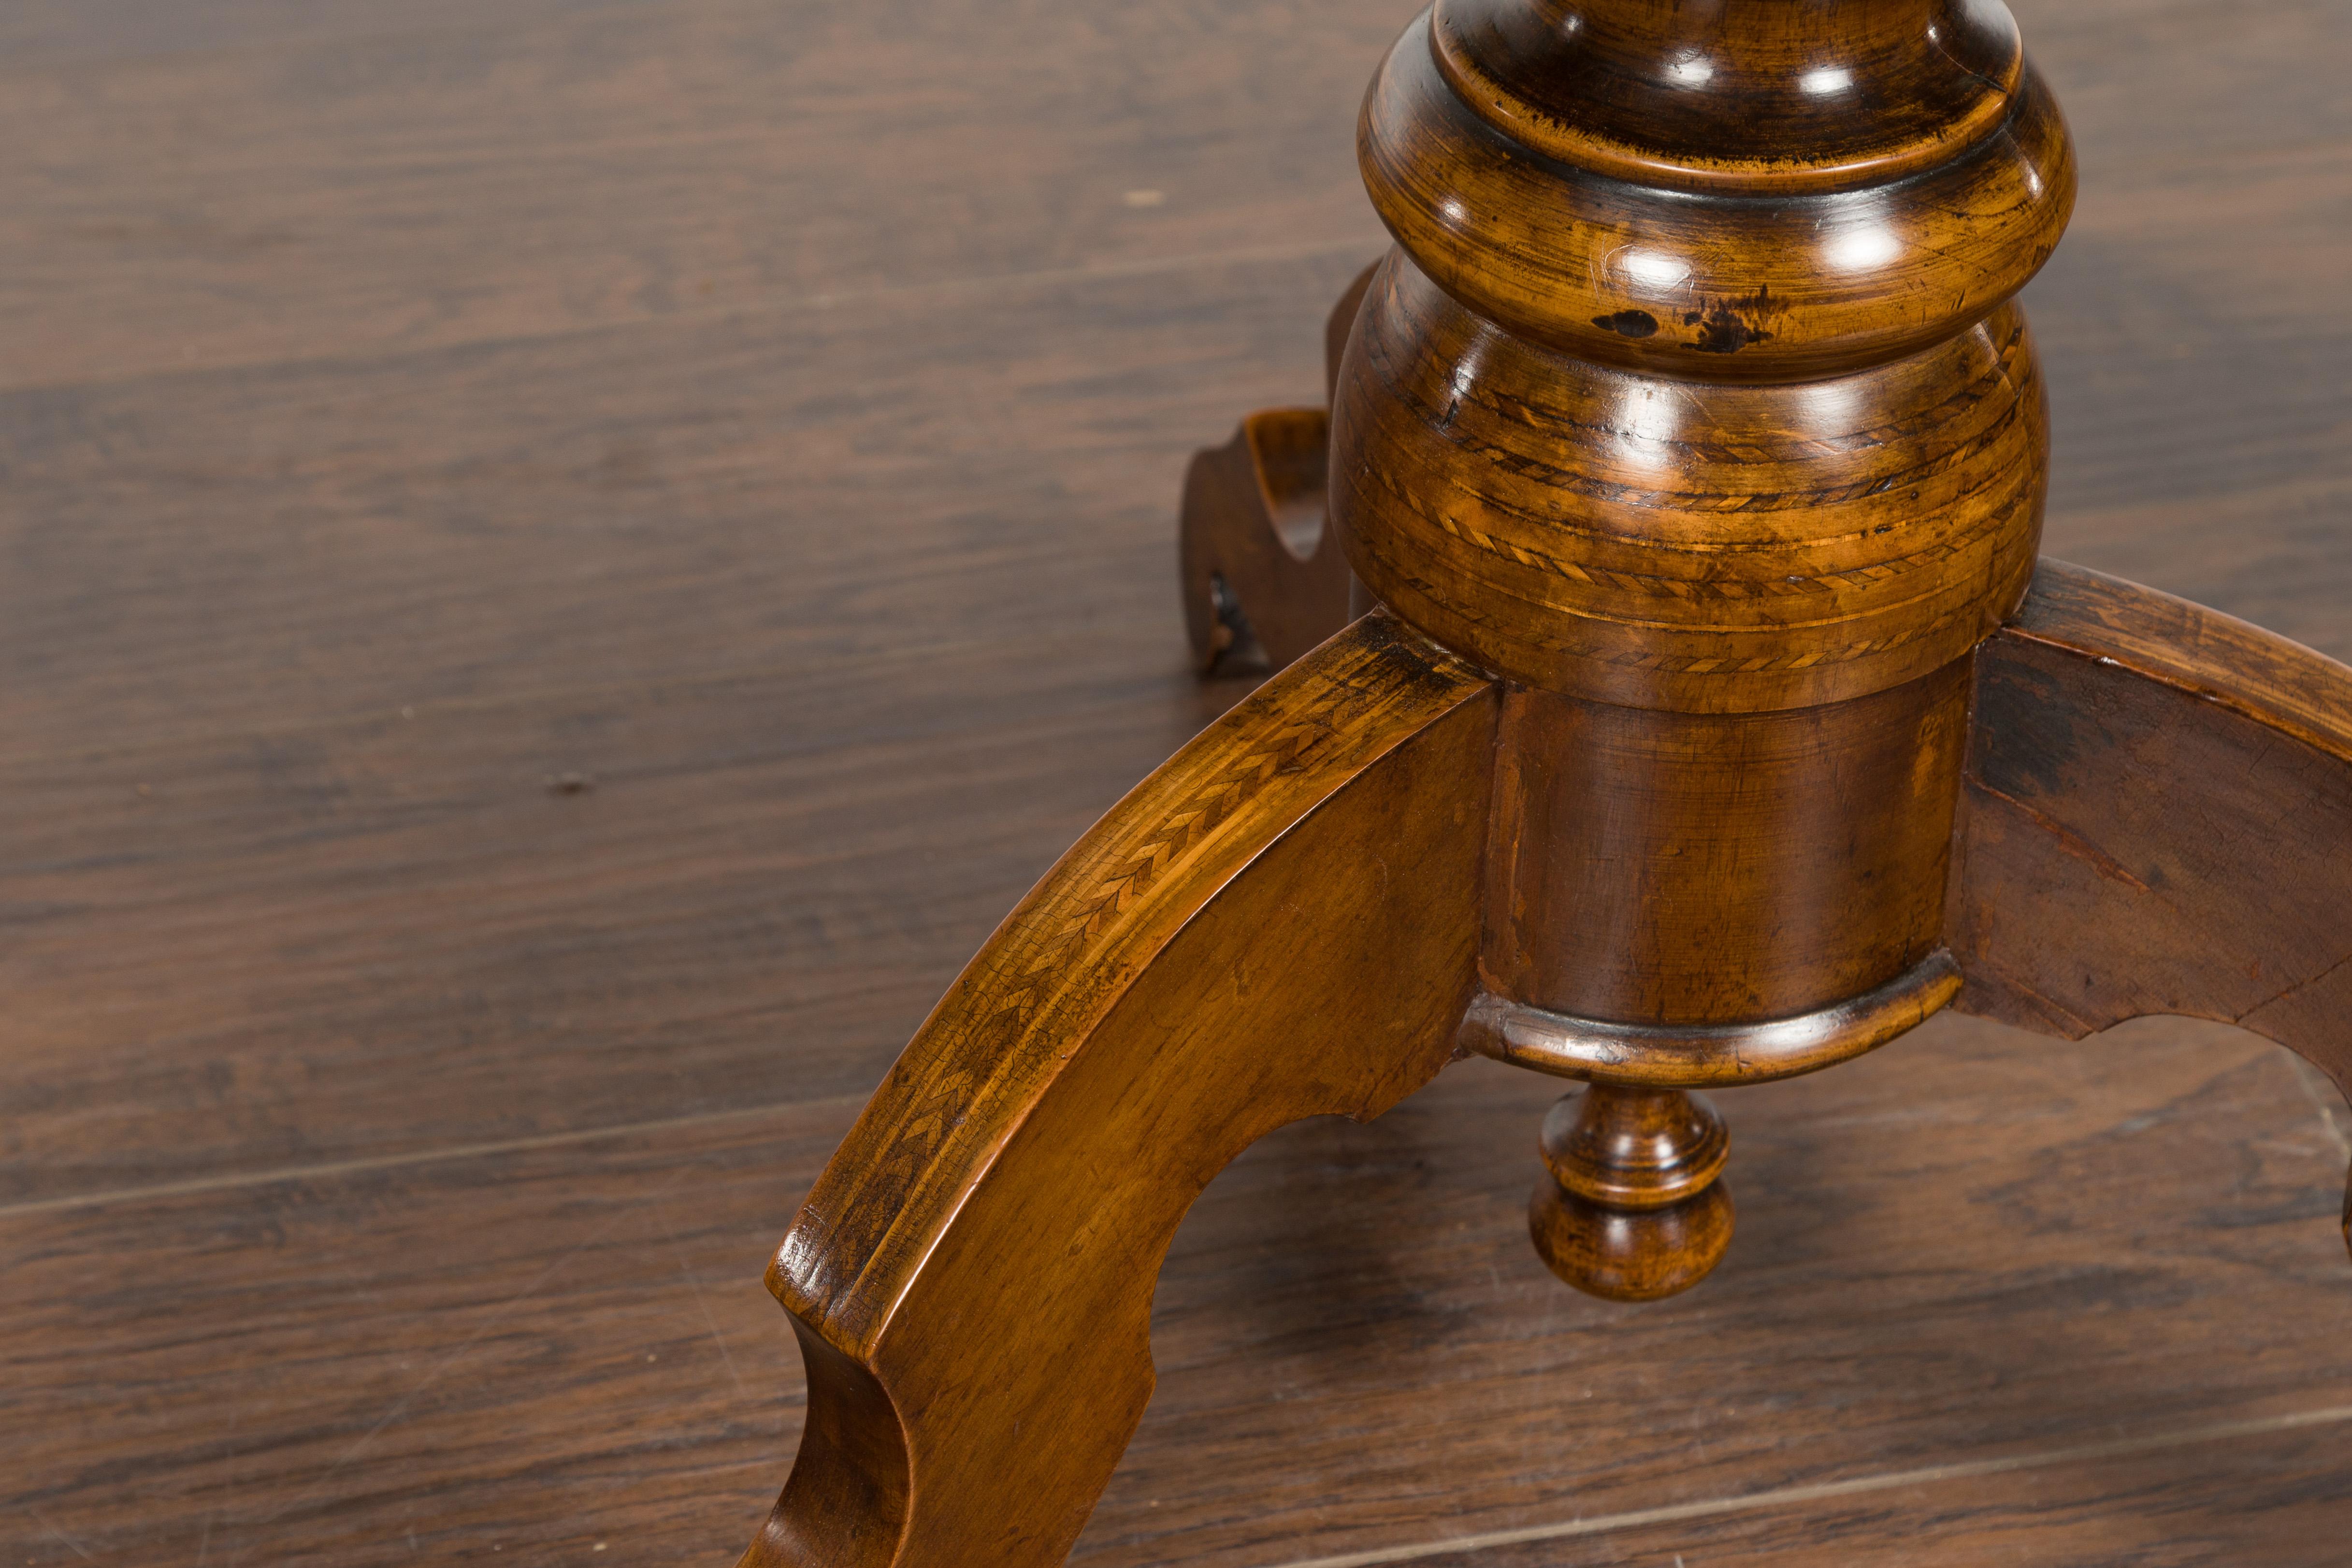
pixel 1973 1258
pixel 565 563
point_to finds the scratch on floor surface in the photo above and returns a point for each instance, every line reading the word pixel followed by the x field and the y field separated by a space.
pixel 1783 1497
pixel 496 1318
pixel 78 1549
pixel 439 1155
pixel 2333 1112
pixel 702 1300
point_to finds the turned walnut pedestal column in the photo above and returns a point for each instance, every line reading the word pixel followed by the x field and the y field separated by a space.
pixel 1707 720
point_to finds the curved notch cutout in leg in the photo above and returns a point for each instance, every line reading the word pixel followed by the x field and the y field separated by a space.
pixel 1262 579
pixel 1262 584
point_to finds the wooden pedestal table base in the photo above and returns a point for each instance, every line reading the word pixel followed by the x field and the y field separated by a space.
pixel 1719 726
pixel 2157 818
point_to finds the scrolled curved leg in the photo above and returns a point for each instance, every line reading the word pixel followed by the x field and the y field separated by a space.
pixel 2157 819
pixel 1262 577
pixel 1281 921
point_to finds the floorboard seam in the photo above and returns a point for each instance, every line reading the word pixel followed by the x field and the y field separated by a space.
pixel 414 1157
pixel 1367 246
pixel 1785 1496
pixel 72 769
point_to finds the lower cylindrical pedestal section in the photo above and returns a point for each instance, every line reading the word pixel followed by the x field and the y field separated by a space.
pixel 1634 1209
pixel 1677 870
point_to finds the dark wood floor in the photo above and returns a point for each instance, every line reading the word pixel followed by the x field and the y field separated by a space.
pixel 566 561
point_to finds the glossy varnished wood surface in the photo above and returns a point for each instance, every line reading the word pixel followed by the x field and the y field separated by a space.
pixel 1568 216
pixel 1695 383
pixel 377 1103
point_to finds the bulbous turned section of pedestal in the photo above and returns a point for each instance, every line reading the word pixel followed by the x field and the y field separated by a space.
pixel 1693 546
pixel 1821 95
pixel 1693 385
pixel 1589 176
pixel 1634 1210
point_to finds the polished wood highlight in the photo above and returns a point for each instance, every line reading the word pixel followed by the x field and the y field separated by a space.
pixel 1564 215
pixel 1646 95
pixel 776 413
pixel 1618 429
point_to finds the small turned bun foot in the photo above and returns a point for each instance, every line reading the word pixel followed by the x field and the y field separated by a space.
pixel 1633 1211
